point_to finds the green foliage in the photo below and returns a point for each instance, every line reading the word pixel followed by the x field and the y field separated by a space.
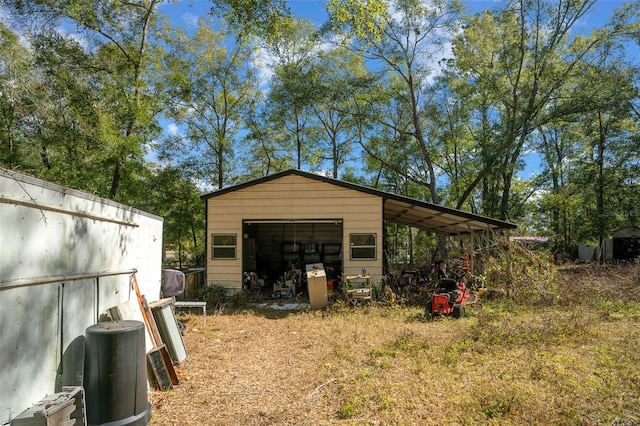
pixel 295 88
pixel 214 295
pixel 92 112
pixel 169 195
pixel 210 101
pixel 17 81
pixel 251 17
pixel 525 275
pixel 240 300
pixel 343 80
pixel 497 409
pixel 357 98
pixel 346 411
pixel 365 19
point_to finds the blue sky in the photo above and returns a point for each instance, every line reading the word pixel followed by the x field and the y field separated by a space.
pixel 187 10
pixel 185 13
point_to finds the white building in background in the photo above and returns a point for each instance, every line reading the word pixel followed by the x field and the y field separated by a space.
pixel 66 257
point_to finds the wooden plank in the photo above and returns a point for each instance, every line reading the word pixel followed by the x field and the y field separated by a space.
pixel 151 322
pixel 146 314
pixel 79 415
pixel 161 303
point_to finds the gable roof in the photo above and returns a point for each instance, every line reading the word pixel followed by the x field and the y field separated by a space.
pixel 397 208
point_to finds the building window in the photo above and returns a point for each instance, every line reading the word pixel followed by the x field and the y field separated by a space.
pixel 363 246
pixel 223 246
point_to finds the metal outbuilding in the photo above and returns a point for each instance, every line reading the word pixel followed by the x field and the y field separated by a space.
pixel 626 244
pixel 66 257
pixel 285 220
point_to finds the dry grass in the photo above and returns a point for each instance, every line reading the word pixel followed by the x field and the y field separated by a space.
pixel 570 361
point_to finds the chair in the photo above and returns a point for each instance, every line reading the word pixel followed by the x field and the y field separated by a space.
pixel 251 285
pixel 292 279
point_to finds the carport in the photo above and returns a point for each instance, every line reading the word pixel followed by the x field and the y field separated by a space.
pixel 439 219
pixel 436 218
pixel 288 219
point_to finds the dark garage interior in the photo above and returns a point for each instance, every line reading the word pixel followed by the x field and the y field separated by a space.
pixel 273 247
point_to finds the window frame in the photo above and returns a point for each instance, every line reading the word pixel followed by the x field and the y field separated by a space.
pixel 215 246
pixel 373 246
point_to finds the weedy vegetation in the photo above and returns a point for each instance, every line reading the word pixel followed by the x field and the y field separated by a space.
pixel 555 346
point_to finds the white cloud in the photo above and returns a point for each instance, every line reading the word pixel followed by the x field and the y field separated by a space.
pixel 263 64
pixel 190 20
pixel 173 129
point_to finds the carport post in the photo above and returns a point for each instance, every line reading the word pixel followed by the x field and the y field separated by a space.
pixel 473 250
pixel 508 262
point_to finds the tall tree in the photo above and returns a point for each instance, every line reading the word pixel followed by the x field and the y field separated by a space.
pixel 591 156
pixel 295 85
pixel 211 85
pixel 342 78
pixel 457 157
pixel 519 60
pixel 558 144
pixel 402 42
pixel 609 144
pixel 266 152
pixel 117 46
pixel 18 86
pixel 176 199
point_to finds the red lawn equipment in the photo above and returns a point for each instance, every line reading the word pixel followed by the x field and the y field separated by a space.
pixel 452 295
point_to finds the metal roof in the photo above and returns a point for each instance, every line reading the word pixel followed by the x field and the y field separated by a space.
pixel 398 208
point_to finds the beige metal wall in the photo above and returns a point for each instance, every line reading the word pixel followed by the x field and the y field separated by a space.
pixel 296 198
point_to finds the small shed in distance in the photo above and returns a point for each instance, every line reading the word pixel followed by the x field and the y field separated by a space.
pixel 626 243
pixel 287 220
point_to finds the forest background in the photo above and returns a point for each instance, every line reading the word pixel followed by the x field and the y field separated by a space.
pixel 427 99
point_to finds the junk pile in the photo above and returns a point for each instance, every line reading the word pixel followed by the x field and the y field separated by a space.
pixel 140 346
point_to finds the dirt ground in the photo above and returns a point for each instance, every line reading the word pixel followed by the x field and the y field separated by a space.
pixel 568 360
pixel 275 368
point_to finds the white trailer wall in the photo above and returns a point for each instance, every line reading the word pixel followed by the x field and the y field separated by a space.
pixel 66 257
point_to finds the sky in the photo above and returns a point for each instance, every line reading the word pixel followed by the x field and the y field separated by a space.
pixel 186 13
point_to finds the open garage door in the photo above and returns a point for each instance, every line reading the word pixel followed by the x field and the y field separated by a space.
pixel 272 247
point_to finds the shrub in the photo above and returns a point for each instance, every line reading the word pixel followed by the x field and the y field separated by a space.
pixel 214 295
pixel 531 277
pixel 240 300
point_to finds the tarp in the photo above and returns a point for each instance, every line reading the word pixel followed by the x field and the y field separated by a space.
pixel 172 282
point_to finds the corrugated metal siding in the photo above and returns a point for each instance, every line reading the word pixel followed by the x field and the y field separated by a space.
pixel 292 198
